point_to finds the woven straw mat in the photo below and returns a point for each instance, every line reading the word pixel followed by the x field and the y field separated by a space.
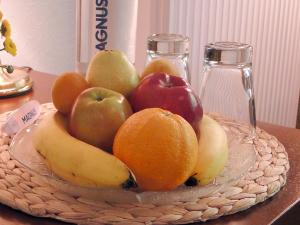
pixel 22 190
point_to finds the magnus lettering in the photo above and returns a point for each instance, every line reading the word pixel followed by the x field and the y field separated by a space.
pixel 101 24
pixel 28 116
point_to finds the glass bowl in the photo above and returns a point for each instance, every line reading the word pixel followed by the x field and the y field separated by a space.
pixel 242 157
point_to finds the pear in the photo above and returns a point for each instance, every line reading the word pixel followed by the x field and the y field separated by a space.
pixel 112 69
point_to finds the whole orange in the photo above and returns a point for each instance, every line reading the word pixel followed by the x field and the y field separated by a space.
pixel 159 147
pixel 160 66
pixel 65 90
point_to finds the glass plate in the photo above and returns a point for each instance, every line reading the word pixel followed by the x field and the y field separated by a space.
pixel 242 157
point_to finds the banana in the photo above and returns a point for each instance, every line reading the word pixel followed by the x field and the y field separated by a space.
pixel 77 161
pixel 212 154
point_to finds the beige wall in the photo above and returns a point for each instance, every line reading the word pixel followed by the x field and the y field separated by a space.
pixel 153 17
pixel 44 32
pixel 271 27
pixel 46 39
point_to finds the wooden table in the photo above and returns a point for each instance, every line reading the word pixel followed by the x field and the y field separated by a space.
pixel 261 214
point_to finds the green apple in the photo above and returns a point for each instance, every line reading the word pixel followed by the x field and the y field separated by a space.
pixel 96 116
pixel 112 69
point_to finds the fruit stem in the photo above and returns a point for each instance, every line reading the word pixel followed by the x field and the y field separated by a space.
pixel 99 99
pixel 192 181
pixel 129 183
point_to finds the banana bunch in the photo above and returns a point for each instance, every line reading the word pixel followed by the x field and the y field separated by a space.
pixel 77 161
pixel 212 154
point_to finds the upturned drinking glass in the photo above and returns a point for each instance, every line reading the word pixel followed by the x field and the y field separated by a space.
pixel 226 87
pixel 173 47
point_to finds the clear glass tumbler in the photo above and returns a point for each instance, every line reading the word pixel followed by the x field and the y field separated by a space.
pixel 226 87
pixel 174 47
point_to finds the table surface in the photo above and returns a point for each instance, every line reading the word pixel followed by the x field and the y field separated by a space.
pixel 261 214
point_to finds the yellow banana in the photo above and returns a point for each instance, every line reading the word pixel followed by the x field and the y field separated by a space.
pixel 77 161
pixel 213 151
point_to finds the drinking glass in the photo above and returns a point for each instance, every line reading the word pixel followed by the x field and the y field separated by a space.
pixel 226 87
pixel 174 47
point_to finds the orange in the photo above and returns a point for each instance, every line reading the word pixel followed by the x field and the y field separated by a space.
pixel 65 90
pixel 159 147
pixel 160 66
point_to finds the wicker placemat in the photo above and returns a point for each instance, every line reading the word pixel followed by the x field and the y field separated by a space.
pixel 24 191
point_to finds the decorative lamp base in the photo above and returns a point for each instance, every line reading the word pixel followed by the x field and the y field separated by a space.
pixel 15 83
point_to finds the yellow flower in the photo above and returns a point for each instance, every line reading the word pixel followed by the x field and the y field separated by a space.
pixel 1 15
pixel 5 28
pixel 10 46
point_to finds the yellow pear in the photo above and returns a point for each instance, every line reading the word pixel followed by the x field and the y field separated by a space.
pixel 112 69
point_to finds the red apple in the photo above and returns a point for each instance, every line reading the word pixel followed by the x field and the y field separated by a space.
pixel 96 116
pixel 168 92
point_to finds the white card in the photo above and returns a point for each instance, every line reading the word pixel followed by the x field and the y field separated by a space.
pixel 22 117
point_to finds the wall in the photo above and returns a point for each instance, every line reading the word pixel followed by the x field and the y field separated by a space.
pixel 44 32
pixel 59 54
pixel 153 17
pixel 272 27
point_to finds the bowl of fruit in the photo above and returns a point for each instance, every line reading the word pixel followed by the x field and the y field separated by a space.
pixel 112 136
